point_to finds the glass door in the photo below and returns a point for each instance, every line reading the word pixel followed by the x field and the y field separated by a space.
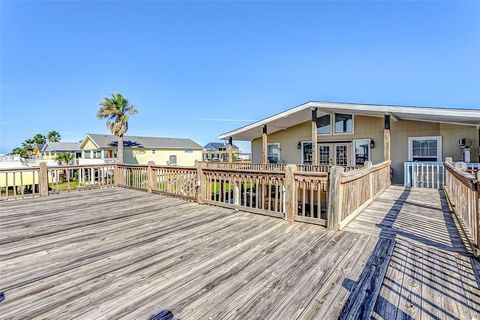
pixel 342 154
pixel 324 156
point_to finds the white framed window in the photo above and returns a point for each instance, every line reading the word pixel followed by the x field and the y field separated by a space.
pixel 188 150
pixel 154 151
pixel 425 148
pixel 343 123
pixel 361 151
pixel 324 124
pixel 306 152
pixel 273 152
pixel 172 160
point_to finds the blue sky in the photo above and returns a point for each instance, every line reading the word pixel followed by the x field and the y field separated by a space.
pixel 198 69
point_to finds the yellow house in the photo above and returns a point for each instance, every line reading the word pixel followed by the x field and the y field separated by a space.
pixel 141 150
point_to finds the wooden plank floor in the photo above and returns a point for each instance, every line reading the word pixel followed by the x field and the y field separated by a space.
pixel 124 254
pixel 117 253
pixel 430 275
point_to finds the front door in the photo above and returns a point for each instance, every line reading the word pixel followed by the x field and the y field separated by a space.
pixel 335 153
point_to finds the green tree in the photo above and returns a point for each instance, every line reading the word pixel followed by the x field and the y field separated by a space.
pixel 21 152
pixel 54 136
pixel 117 111
pixel 66 158
pixel 39 138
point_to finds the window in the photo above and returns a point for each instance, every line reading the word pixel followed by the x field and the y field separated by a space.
pixel 361 149
pixel 172 160
pixel 154 151
pixel 425 148
pixel 188 151
pixel 307 152
pixel 324 124
pixel 87 154
pixel 273 152
pixel 343 123
pixel 97 154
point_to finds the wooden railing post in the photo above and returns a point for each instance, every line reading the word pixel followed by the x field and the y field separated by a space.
pixel 236 192
pixel 200 183
pixel 334 212
pixel 461 166
pixel 43 179
pixel 477 219
pixel 290 193
pixel 368 164
pixel 150 177
pixel 116 175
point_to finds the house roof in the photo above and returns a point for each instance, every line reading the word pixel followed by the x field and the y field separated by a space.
pixel 109 141
pixel 219 145
pixel 302 113
pixel 61 146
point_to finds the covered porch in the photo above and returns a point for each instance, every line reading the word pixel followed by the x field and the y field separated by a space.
pixel 348 135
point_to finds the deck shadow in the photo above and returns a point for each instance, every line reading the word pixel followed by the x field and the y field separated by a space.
pixel 364 298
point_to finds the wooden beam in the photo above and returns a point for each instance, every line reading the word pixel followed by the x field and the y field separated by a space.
pixel 334 213
pixel 290 193
pixel 386 139
pixel 230 149
pixel 314 137
pixel 264 145
pixel 43 179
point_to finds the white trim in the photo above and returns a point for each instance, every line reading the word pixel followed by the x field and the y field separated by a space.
pixel 355 108
pixel 439 146
pixel 279 150
pixel 343 133
pixel 84 139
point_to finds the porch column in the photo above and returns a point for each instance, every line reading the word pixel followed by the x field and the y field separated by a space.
pixel 264 145
pixel 230 149
pixel 314 136
pixel 386 138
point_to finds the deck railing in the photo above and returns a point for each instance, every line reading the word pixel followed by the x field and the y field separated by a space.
pixel 80 177
pixel 176 181
pixel 258 191
pixel 245 166
pixel 19 183
pixel 350 192
pixel 463 192
pixel 301 194
pixel 42 180
pixel 424 175
pixel 311 197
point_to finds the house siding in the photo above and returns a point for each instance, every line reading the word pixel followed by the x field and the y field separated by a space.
pixel 161 156
pixel 372 128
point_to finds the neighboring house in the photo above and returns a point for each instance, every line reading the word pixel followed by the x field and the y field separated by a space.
pixel 141 150
pixel 50 150
pixel 37 149
pixel 217 151
pixel 350 134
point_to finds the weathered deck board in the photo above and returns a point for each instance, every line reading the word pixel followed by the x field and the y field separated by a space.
pixel 430 274
pixel 123 254
pixel 117 253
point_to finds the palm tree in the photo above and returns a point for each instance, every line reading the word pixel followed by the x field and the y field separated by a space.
pixel 53 136
pixel 117 110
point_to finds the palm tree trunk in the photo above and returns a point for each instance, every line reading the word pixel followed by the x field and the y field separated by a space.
pixel 120 150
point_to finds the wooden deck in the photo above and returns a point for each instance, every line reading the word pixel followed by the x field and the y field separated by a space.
pixel 117 253
pixel 431 275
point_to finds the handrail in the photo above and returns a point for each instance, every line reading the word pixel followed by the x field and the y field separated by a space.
pixel 463 192
pixel 365 183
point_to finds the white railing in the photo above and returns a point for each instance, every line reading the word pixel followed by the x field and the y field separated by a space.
pixel 424 175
